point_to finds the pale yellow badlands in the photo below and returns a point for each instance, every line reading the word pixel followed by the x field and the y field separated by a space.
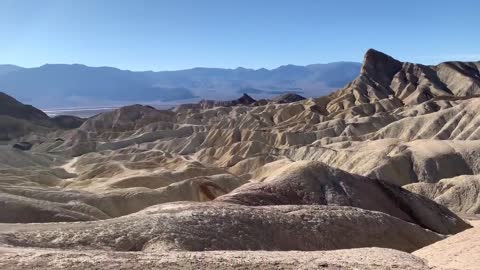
pixel 316 183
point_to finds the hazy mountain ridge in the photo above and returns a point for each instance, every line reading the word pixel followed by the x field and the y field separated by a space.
pixel 4 69
pixel 59 85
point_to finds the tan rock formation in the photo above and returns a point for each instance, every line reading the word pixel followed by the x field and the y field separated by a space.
pixel 220 226
pixel 460 194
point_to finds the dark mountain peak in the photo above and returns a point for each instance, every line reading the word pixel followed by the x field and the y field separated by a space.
pixel 18 119
pixel 6 99
pixel 379 66
pixel 12 107
pixel 246 99
pixel 288 98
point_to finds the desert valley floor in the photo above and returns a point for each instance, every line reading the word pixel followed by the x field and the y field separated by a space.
pixel 382 174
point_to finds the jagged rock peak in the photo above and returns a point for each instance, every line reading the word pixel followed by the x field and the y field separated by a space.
pixel 378 64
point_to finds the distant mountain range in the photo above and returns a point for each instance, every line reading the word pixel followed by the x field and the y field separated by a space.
pixel 60 85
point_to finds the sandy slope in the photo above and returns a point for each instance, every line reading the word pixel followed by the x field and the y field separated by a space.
pixel 461 251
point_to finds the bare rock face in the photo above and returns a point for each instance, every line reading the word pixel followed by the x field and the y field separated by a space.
pixel 314 183
pixel 379 66
pixel 220 226
pixel 244 100
pixel 462 77
pixel 68 121
pixel 362 258
pixel 18 209
pixel 460 194
pixel 382 76
pixel 42 204
pixel 126 119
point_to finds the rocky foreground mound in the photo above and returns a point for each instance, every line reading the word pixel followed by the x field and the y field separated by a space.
pixel 219 226
pixel 314 183
pixel 364 258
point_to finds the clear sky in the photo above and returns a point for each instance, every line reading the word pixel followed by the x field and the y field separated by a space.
pixel 177 34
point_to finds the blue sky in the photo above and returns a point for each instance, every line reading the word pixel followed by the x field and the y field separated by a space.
pixel 177 34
